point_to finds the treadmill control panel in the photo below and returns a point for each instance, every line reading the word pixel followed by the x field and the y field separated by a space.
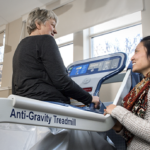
pixel 103 65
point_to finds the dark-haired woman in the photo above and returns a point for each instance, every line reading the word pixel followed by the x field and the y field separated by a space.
pixel 134 117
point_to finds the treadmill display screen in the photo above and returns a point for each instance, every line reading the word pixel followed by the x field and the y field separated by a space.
pixel 97 66
pixel 77 70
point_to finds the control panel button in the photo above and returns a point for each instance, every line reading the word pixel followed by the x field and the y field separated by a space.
pixel 86 80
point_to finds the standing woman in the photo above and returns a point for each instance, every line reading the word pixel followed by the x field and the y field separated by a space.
pixel 134 117
pixel 38 69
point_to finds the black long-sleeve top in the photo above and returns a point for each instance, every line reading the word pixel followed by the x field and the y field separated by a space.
pixel 39 72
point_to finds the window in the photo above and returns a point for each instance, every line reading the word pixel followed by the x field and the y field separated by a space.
pixel 67 54
pixel 1 59
pixel 124 40
pixel 2 50
pixel 118 35
pixel 1 67
pixel 127 20
pixel 64 39
pixel 65 45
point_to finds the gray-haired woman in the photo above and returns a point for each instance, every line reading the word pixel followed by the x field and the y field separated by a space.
pixel 38 69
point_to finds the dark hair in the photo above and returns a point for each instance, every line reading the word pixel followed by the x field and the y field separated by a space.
pixel 146 43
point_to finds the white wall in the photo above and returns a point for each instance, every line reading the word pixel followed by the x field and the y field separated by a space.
pixel 13 31
pixel 108 91
pixel 146 18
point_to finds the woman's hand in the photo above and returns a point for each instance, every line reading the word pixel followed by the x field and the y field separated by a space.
pixel 95 100
pixel 118 126
pixel 109 109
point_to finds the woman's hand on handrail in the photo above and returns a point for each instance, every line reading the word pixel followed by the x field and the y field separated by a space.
pixel 95 100
pixel 109 109
pixel 118 126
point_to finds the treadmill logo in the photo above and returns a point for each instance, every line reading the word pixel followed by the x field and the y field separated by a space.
pixel 44 118
pixel 31 116
pixel 64 121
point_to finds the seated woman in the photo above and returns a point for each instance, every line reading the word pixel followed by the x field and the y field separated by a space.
pixel 38 69
pixel 134 114
pixel 39 73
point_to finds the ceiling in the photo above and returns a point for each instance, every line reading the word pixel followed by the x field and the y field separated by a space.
pixel 11 10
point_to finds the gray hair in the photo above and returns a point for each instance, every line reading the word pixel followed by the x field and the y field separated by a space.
pixel 40 16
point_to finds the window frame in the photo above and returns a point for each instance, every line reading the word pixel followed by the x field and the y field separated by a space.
pixel 65 44
pixel 1 63
pixel 110 31
pixel 3 31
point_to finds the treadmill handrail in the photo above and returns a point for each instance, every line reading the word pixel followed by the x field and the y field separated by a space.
pixel 31 104
pixel 124 88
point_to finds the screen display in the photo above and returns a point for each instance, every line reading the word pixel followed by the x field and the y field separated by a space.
pixel 94 67
pixel 77 70
pixel 100 65
pixel 106 65
pixel 114 63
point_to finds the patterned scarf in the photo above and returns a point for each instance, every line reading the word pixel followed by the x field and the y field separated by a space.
pixel 136 102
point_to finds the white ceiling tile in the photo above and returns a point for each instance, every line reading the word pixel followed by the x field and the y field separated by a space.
pixel 2 21
pixel 14 9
